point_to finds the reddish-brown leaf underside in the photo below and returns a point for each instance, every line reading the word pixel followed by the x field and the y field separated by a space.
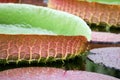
pixel 42 73
pixel 36 47
pixel 91 12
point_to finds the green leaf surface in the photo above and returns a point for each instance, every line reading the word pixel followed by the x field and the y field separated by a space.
pixel 117 2
pixel 58 22
pixel 22 29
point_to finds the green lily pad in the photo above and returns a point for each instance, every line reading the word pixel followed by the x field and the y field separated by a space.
pixel 106 1
pixel 60 23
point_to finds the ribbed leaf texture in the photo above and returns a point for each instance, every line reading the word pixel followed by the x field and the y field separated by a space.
pixel 97 13
pixel 15 48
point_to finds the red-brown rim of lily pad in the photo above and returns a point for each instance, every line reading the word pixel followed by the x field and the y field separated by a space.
pixel 40 73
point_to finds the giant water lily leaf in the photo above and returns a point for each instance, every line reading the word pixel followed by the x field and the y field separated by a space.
pixel 106 1
pixel 34 33
pixel 42 73
pixel 15 48
pixel 23 29
pixel 93 13
pixel 58 22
